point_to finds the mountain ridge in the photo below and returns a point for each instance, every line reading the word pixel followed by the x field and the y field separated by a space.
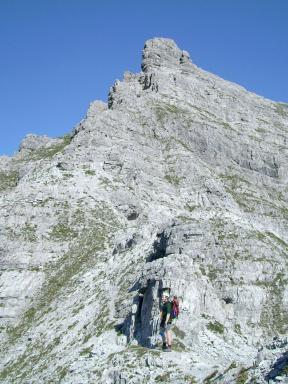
pixel 178 182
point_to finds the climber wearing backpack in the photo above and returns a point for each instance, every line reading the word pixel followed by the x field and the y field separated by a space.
pixel 169 311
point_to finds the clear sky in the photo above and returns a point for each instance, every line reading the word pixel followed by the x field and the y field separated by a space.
pixel 59 55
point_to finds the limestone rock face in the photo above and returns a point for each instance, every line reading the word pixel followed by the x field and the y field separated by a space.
pixel 34 142
pixel 179 182
pixel 162 53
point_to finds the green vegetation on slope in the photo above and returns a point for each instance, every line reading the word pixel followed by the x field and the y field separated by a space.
pixel 274 317
pixel 216 327
pixel 60 280
pixel 164 109
pixel 8 180
pixel 51 151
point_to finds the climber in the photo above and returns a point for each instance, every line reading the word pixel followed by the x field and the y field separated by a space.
pixel 166 322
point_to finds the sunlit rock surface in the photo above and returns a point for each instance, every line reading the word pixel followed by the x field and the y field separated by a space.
pixel 179 182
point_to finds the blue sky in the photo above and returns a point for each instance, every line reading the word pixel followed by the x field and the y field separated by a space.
pixel 58 55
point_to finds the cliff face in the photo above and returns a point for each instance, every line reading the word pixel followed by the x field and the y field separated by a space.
pixel 180 182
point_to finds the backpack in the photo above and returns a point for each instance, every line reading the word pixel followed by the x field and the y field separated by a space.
pixel 175 308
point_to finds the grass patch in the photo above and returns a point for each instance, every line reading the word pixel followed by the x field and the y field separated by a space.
pixel 62 232
pixel 90 172
pixel 86 351
pixel 43 203
pixel 184 219
pixel 141 351
pixel 163 378
pixel 274 315
pixel 165 110
pixel 178 332
pixel 62 372
pixel 190 379
pixel 28 232
pixel 190 208
pixel 210 377
pixel 282 109
pixel 8 180
pixel 108 184
pixel 184 145
pixel 231 366
pixel 277 239
pixel 102 321
pixel 72 325
pixel 67 175
pixel 260 130
pixel 227 236
pixel 258 235
pixel 237 329
pixel 242 200
pixel 242 376
pixel 178 346
pixel 267 237
pixel 173 179
pixel 216 327
pixel 86 338
pixel 213 272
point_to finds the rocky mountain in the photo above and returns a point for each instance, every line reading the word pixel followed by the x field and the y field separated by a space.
pixel 179 182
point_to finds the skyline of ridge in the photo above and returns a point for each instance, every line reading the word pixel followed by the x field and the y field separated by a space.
pixel 59 56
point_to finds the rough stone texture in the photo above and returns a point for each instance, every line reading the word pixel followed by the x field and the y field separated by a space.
pixel 179 182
